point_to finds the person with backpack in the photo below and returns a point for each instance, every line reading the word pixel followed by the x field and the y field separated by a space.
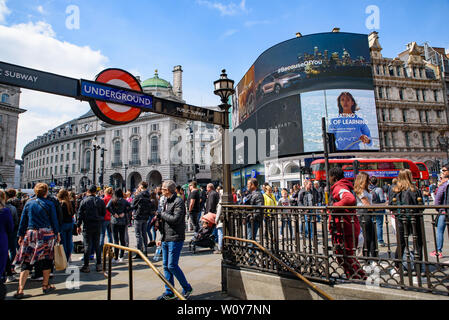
pixel 119 209
pixel 68 212
pixel 91 216
pixel 378 197
pixel 441 198
pixel 142 211
pixel 6 229
pixel 405 193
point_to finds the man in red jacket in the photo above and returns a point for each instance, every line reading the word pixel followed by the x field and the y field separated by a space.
pixel 344 229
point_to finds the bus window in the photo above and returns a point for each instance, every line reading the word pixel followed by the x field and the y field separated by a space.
pixel 385 166
pixel 347 167
pixel 368 166
pixel 398 165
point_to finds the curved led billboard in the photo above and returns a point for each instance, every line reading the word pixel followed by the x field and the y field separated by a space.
pixel 295 83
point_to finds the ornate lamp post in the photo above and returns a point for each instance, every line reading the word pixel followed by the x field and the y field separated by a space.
pixel 224 88
pixel 126 169
pixel 95 147
pixel 444 144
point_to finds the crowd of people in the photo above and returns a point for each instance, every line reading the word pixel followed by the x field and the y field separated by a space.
pixel 31 226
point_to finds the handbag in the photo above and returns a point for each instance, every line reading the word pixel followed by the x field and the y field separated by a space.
pixel 60 258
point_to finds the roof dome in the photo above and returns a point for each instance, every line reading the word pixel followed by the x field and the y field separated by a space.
pixel 156 82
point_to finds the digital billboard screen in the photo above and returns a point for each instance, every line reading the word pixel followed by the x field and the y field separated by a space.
pixel 330 75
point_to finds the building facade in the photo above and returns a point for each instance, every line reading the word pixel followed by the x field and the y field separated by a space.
pixel 412 110
pixel 124 155
pixel 9 117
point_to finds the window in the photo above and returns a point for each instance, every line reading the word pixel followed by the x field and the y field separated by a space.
pixel 377 69
pixel 117 133
pixel 379 91
pixel 427 116
pixel 404 115
pixel 385 70
pixel 5 98
pixel 420 72
pixel 135 150
pixel 435 95
pixel 56 169
pixel 68 146
pixel 424 95
pixel 61 170
pixel 74 156
pixel 398 71
pixel 430 139
pixel 87 162
pixel 401 94
pixel 387 141
pixel 102 140
pixel 407 139
pixel 117 151
pixel 62 147
pixel 57 148
pixel 384 116
pixel 391 71
pixel 154 148
pixel 73 168
pixel 420 113
pixel 386 92
pixel 135 130
pixel 417 94
pixel 155 127
pixel 62 157
pixel 74 145
pixel 414 72
pixel 52 149
pixel 51 159
pixel 67 157
pixel 424 141
pixel 439 114
pixel 56 158
pixel 405 72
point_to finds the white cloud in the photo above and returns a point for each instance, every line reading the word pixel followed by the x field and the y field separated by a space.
pixel 230 9
pixel 229 33
pixel 35 45
pixel 4 11
pixel 41 9
pixel 249 24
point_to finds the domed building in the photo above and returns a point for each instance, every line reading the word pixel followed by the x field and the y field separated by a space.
pixel 124 155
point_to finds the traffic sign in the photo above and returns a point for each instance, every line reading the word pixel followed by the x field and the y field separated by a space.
pixel 52 185
pixel 107 108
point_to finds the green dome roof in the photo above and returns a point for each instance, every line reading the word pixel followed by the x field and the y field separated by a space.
pixel 156 82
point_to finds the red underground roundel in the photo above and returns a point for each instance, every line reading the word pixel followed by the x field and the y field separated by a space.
pixel 111 112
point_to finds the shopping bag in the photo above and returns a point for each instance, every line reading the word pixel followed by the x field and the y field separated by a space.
pixel 60 258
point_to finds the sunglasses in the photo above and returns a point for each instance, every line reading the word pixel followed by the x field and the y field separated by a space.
pixel 444 170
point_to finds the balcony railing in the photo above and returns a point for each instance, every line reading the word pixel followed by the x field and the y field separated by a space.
pixel 117 164
pixel 135 163
pixel 154 161
pixel 325 246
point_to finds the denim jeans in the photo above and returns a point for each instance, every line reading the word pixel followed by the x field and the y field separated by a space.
pixel 220 238
pixel 194 221
pixel 67 238
pixel 171 251
pixel 140 226
pixel 151 232
pixel 380 227
pixel 441 226
pixel 105 228
pixel 249 229
pixel 309 225
pixel 290 229
pixel 91 240
pixel 119 235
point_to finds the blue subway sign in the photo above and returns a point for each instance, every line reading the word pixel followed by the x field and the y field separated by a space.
pixel 115 95
pixel 378 174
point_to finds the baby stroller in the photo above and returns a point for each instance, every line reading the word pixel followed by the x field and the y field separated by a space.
pixel 204 238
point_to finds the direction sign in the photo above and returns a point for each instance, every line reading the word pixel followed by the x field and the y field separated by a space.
pixel 106 109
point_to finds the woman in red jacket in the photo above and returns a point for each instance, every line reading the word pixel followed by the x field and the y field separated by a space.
pixel 344 229
pixel 106 227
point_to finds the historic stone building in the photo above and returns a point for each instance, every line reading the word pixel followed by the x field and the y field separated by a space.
pixel 125 154
pixel 9 117
pixel 412 110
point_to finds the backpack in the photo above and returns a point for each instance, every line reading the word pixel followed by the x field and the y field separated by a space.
pixel 375 195
pixel 144 207
pixel 406 198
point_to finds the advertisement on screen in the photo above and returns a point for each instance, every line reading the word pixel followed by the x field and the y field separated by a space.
pixel 331 76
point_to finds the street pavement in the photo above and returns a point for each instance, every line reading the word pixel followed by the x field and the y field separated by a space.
pixel 202 270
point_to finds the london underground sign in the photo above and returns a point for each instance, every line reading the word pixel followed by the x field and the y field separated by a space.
pixel 115 104
pixel 115 96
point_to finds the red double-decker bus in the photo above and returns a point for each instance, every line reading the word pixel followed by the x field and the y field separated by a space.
pixel 383 169
pixel 424 172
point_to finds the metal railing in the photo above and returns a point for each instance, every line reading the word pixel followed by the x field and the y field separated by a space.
pixel 107 251
pixel 322 244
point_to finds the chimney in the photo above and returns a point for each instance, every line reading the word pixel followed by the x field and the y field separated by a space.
pixel 177 81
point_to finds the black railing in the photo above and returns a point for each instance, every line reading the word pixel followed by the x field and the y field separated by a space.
pixel 117 164
pixel 323 245
pixel 135 163
pixel 154 161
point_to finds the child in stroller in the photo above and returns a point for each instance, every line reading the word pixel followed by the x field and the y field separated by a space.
pixel 204 238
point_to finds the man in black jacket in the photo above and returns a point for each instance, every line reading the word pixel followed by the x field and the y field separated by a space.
pixel 255 198
pixel 172 231
pixel 142 207
pixel 91 215
pixel 212 199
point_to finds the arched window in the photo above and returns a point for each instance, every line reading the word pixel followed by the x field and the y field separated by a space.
pixel 135 151
pixel 87 166
pixel 117 151
pixel 154 149
pixel 5 98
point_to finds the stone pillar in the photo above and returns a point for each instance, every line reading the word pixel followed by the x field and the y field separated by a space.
pixel 177 81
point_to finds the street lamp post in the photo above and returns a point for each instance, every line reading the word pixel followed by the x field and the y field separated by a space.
pixel 102 167
pixel 224 88
pixel 126 169
pixel 66 184
pixel 95 147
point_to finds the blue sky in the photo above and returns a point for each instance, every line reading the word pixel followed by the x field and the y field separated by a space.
pixel 203 36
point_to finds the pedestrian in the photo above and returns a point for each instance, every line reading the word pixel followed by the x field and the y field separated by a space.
pixel 306 198
pixel 441 198
pixel 219 218
pixel 68 211
pixel 344 228
pixel 365 198
pixel 6 229
pixel 212 199
pixel 239 197
pixel 193 203
pixel 426 194
pixel 91 216
pixel 12 236
pixel 106 224
pixel 407 194
pixel 171 238
pixel 284 201
pixel 120 210
pixel 142 211
pixel 255 198
pixel 277 193
pixel 378 198
pixel 38 231
pixel 151 229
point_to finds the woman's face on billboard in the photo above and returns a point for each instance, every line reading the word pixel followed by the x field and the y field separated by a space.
pixel 346 103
